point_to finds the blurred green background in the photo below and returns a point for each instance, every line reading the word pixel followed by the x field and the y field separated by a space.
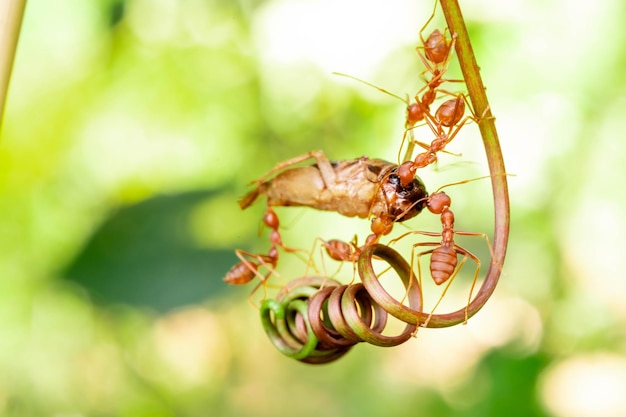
pixel 133 126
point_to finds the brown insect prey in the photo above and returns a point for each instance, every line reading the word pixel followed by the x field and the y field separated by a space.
pixel 358 187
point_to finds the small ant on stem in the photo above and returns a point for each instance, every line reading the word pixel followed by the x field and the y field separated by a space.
pixel 448 114
pixel 437 48
pixel 436 57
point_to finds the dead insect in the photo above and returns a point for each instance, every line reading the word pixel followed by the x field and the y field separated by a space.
pixel 361 187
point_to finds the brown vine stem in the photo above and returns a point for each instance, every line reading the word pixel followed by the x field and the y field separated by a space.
pixel 478 98
pixel 11 12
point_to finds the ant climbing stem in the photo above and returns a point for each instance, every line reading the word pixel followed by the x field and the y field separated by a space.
pixel 437 53
pixel 437 48
pixel 436 58
pixel 448 114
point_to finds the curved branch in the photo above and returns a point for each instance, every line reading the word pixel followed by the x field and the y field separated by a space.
pixel 11 13
pixel 478 98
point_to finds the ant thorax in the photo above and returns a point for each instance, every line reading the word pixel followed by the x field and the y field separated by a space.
pixel 402 202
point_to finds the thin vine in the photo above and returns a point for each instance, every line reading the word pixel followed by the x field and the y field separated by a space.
pixel 338 316
pixel 486 124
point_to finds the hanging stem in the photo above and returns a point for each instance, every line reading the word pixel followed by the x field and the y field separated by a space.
pixel 11 12
pixel 478 98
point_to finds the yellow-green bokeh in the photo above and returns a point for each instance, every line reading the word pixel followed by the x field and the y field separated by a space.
pixel 133 126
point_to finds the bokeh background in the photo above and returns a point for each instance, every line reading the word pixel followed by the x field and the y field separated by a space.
pixel 133 126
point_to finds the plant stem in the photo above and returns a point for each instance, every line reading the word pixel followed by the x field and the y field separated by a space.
pixel 478 98
pixel 11 12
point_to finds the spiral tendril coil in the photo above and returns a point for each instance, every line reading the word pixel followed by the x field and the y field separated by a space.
pixel 317 320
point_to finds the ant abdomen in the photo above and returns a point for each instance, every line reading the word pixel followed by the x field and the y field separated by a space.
pixel 443 261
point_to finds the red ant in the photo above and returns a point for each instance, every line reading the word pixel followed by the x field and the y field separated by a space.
pixel 444 265
pixel 245 271
pixel 340 251
pixel 449 114
pixel 437 48
pixel 437 55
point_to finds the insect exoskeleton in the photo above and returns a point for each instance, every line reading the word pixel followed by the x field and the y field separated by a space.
pixel 361 187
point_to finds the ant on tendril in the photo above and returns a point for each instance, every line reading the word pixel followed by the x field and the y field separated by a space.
pixel 444 264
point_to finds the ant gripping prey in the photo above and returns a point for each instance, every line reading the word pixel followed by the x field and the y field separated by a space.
pixel 449 115
pixel 361 187
pixel 435 52
pixel 444 265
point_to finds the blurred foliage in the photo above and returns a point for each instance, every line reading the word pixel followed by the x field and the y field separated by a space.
pixel 133 126
pixel 144 255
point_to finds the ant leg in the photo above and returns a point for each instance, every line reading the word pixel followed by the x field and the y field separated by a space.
pixel 417 280
pixel 427 148
pixel 489 245
pixel 474 258
pixel 263 260
pixel 428 21
pixel 310 263
pixel 445 290
pixel 283 165
pixel 415 232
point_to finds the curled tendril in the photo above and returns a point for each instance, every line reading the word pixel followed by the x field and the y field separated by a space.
pixel 286 322
pixel 317 320
pixel 407 314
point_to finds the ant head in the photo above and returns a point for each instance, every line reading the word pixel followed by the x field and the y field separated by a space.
pixel 406 173
pixel 414 114
pixel 438 202
pixel 270 218
pixel 403 201
pixel 381 226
